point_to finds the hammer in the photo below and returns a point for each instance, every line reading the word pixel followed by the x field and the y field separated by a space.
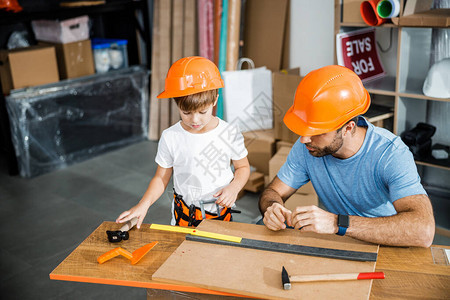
pixel 122 234
pixel 286 279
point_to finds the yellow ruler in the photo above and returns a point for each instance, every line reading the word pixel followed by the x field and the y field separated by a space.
pixel 193 231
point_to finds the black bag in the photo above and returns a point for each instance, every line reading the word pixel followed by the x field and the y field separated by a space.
pixel 418 140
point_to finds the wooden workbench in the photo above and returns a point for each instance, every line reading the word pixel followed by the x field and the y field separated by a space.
pixel 410 272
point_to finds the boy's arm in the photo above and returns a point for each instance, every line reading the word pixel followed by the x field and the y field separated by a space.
pixel 241 173
pixel 227 196
pixel 155 189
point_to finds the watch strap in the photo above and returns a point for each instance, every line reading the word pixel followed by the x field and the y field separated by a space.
pixel 343 223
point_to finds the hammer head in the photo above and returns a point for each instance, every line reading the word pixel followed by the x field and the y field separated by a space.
pixel 285 279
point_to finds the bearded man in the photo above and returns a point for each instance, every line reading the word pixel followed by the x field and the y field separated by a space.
pixel 365 176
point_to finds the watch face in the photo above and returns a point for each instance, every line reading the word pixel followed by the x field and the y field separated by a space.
pixel 343 221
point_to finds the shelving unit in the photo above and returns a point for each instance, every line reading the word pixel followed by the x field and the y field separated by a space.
pixel 123 19
pixel 406 64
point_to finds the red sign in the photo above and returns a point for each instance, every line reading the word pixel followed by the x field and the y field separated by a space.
pixel 357 50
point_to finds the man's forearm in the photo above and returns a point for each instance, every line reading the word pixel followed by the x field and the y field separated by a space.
pixel 269 197
pixel 403 229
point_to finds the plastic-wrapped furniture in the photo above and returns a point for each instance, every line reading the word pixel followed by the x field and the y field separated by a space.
pixel 59 124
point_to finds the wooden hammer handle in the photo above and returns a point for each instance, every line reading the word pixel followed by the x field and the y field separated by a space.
pixel 330 277
pixel 129 224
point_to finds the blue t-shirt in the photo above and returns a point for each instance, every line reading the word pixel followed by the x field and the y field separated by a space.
pixel 366 184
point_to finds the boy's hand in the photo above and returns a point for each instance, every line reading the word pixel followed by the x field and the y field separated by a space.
pixel 226 196
pixel 139 211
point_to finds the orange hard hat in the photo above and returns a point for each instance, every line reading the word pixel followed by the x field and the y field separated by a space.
pixel 191 75
pixel 325 100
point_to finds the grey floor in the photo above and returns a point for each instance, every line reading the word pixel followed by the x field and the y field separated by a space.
pixel 45 218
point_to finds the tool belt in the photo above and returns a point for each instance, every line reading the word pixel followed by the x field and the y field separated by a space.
pixel 192 215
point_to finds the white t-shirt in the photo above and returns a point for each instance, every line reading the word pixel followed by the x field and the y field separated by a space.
pixel 201 162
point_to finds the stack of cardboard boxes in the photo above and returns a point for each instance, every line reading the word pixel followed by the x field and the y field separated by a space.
pixel 70 38
pixel 268 149
pixel 64 52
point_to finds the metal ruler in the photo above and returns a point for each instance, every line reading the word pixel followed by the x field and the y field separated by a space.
pixel 221 239
pixel 290 248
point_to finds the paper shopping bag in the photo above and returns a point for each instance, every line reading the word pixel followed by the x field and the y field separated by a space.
pixel 248 98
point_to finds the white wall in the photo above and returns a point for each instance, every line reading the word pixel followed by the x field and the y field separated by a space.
pixel 312 34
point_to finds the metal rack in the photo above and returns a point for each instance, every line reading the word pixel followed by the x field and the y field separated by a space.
pixel 126 19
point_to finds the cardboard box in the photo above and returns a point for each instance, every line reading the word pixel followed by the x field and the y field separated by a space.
pixel 240 194
pixel 261 146
pixel 281 144
pixel 67 31
pixel 275 164
pixel 301 200
pixel 255 183
pixel 277 161
pixel 74 59
pixel 416 6
pixel 431 18
pixel 351 11
pixel 284 87
pixel 265 24
pixel 25 67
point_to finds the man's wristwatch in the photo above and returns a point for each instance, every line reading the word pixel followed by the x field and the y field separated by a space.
pixel 343 222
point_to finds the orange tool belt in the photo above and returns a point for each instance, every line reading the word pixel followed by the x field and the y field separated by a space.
pixel 192 215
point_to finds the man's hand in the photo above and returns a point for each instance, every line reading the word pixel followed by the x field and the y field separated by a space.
pixel 276 215
pixel 313 219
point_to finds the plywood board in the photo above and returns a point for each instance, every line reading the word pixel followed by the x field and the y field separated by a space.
pixel 164 60
pixel 234 20
pixel 258 273
pixel 217 24
pixel 189 27
pixel 177 49
pixel 153 132
pixel 265 22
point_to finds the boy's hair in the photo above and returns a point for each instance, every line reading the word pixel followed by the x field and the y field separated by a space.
pixel 195 102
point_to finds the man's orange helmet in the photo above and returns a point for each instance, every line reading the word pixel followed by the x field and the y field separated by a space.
pixel 325 100
pixel 191 75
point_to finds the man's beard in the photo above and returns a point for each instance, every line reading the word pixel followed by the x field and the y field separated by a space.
pixel 332 148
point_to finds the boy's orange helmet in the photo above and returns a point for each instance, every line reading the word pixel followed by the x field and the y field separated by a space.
pixel 325 100
pixel 191 75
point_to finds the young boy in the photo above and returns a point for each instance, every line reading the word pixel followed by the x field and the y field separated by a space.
pixel 197 150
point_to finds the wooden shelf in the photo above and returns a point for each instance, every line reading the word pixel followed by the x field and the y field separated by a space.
pixel 433 162
pixel 7 18
pixel 435 18
pixel 402 87
pixel 435 165
pixel 443 231
pixel 347 24
pixel 381 86
pixel 377 114
pixel 412 94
